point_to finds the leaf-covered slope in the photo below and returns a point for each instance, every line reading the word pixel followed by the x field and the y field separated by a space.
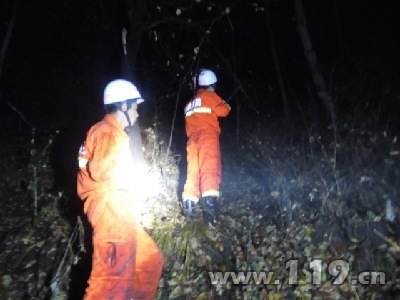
pixel 306 213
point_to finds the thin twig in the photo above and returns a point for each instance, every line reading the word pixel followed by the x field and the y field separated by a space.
pixel 207 32
pixel 8 35
pixel 20 114
pixel 78 232
pixel 389 240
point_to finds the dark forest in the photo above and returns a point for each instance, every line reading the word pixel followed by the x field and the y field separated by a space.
pixel 310 150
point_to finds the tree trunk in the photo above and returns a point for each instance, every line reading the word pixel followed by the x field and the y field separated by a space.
pixel 136 14
pixel 285 102
pixel 338 26
pixel 311 57
pixel 131 46
pixel 8 35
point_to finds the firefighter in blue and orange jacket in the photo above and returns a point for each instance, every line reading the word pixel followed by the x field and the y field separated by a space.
pixel 126 262
pixel 203 150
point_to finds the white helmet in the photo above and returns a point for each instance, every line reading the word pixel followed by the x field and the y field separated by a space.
pixel 120 90
pixel 206 78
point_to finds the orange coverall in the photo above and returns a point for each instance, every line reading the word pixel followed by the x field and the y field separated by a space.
pixel 127 263
pixel 203 152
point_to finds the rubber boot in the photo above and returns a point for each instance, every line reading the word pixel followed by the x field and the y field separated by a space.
pixel 210 207
pixel 189 209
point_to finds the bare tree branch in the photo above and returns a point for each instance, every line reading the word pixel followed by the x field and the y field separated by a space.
pixel 184 80
pixel 275 59
pixel 311 57
pixel 8 35
pixel 20 115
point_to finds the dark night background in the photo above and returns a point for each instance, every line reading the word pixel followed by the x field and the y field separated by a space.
pixel 62 53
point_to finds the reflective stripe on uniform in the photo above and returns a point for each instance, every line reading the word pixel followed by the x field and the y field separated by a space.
pixel 202 110
pixel 212 193
pixel 191 198
pixel 82 162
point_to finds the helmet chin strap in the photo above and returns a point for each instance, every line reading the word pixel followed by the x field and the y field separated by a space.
pixel 119 107
pixel 128 118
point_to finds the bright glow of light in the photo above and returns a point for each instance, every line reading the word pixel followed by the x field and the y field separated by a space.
pixel 146 187
pixel 152 184
pixel 149 204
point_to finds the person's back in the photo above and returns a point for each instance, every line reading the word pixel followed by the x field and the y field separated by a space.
pixel 203 111
pixel 112 167
pixel 203 151
pixel 126 262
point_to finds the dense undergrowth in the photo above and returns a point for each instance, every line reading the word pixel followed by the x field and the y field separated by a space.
pixel 292 199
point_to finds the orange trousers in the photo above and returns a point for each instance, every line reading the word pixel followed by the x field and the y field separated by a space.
pixel 203 165
pixel 126 262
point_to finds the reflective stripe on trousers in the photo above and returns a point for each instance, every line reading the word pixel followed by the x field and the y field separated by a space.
pixel 203 163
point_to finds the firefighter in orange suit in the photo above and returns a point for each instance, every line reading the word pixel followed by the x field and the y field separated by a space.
pixel 203 151
pixel 126 262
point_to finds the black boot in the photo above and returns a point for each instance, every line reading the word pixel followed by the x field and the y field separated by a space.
pixel 189 209
pixel 210 207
